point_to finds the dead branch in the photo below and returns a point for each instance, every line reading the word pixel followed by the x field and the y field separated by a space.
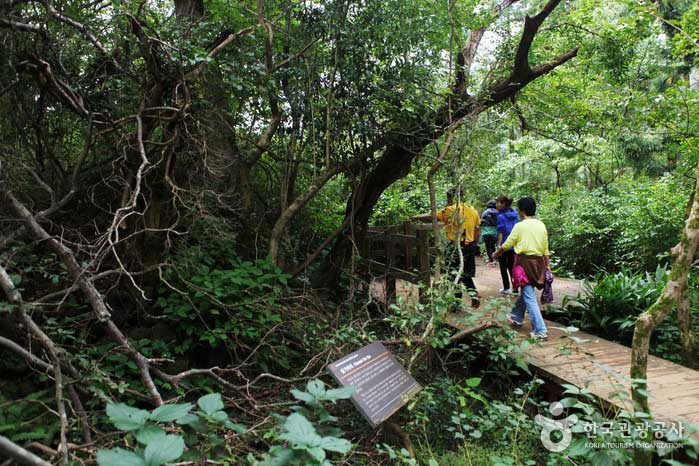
pixel 17 26
pixel 60 204
pixel 14 297
pixel 31 359
pixel 57 88
pixel 467 54
pixel 93 296
pixel 218 49
pixel 19 454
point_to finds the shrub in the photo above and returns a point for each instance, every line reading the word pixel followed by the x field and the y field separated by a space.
pixel 631 225
pixel 220 302
pixel 154 446
pixel 609 305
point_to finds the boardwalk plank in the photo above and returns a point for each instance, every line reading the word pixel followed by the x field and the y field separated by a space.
pixel 599 365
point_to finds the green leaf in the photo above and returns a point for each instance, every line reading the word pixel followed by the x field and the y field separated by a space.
pixel 125 417
pixel 210 403
pixel 338 445
pixel 339 393
pixel 237 428
pixel 473 382
pixel 303 396
pixel 119 457
pixel 578 447
pixel 187 419
pixel 601 458
pixel 169 413
pixel 164 450
pixel 316 388
pixel 219 416
pixel 278 456
pixel 149 433
pixel 300 432
pixel 317 453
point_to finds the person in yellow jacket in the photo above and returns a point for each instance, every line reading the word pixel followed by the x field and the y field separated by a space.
pixel 462 224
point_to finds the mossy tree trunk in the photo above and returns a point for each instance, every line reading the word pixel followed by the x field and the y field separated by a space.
pixel 672 295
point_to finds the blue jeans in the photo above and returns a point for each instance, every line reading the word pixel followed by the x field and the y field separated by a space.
pixel 527 301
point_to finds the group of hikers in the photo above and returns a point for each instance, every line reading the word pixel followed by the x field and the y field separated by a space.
pixel 517 239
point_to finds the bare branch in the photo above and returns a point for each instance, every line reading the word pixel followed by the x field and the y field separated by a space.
pixel 19 454
pixel 82 29
pixel 14 297
pixel 87 287
pixel 464 60
pixel 17 26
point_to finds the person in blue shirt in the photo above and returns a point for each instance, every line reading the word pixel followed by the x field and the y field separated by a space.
pixel 507 218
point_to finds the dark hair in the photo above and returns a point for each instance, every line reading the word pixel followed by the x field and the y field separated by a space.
pixel 504 200
pixel 527 205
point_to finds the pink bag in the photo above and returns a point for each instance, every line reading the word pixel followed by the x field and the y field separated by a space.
pixel 519 277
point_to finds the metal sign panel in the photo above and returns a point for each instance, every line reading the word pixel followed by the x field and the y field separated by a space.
pixel 383 385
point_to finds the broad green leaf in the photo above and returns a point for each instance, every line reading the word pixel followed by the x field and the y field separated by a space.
pixel 339 393
pixel 219 416
pixel 125 417
pixel 119 457
pixel 302 396
pixel 169 413
pixel 317 453
pixel 300 432
pixel 473 382
pixel 149 433
pixel 164 450
pixel 210 403
pixel 237 428
pixel 187 419
pixel 578 447
pixel 335 444
pixel 278 456
pixel 316 388
pixel 601 458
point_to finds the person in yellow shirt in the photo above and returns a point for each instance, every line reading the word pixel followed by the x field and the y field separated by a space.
pixel 462 225
pixel 530 241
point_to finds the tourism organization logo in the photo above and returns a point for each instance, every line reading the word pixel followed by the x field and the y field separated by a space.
pixel 549 427
pixel 557 434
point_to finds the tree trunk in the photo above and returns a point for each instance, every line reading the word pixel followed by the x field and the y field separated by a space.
pixel 671 296
pixel 687 336
pixel 286 216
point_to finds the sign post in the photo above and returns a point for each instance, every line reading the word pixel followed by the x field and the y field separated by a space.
pixel 383 385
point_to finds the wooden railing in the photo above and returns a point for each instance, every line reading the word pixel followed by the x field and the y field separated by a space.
pixel 400 251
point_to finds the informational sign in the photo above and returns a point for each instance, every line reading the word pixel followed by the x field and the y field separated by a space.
pixel 383 385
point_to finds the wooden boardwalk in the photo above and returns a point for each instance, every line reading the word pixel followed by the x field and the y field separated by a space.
pixel 598 365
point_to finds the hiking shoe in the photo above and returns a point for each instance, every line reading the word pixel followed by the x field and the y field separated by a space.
pixel 513 322
pixel 476 301
pixel 505 291
pixel 539 336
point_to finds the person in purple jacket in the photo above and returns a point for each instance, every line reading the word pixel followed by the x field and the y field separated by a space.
pixel 507 218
